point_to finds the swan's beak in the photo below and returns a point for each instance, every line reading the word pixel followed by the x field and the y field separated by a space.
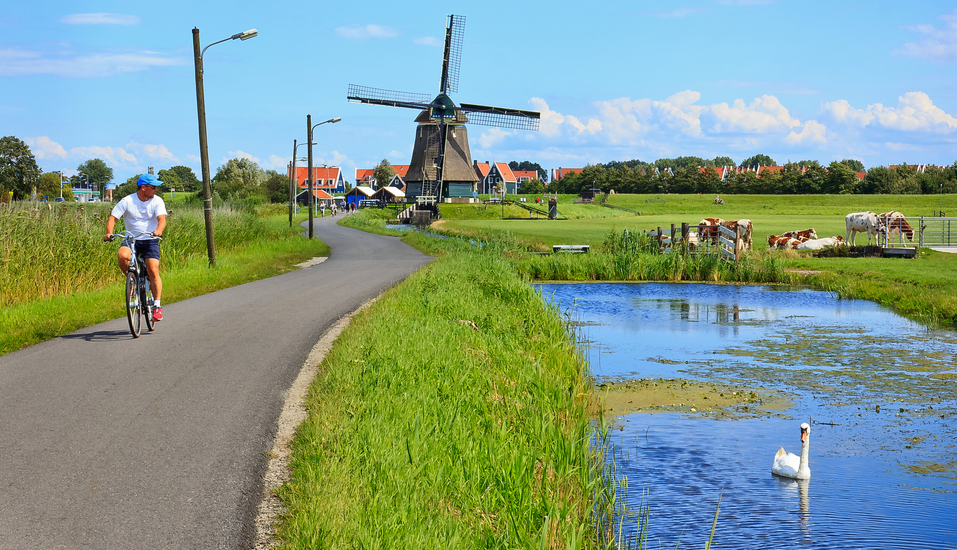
pixel 803 435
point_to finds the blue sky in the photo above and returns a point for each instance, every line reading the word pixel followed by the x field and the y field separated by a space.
pixel 616 80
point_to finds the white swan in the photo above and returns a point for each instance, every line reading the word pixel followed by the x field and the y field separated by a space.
pixel 791 465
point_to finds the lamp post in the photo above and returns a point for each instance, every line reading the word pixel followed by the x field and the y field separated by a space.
pixel 203 151
pixel 292 179
pixel 309 128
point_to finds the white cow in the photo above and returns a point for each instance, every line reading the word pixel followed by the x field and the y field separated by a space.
pixel 862 222
pixel 819 244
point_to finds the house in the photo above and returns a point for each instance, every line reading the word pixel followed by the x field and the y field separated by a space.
pixel 496 175
pixel 321 196
pixel 327 178
pixel 524 176
pixel 559 173
pixel 366 176
pixel 389 194
pixel 358 194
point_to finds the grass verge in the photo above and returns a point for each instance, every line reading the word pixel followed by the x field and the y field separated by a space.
pixel 469 427
pixel 273 252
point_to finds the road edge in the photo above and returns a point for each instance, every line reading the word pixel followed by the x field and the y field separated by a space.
pixel 293 413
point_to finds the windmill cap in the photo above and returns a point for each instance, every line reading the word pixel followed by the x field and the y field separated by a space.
pixel 148 179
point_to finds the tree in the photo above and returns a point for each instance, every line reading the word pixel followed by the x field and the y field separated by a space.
pixel 841 179
pixel 49 186
pixel 383 173
pixel 128 188
pixel 854 164
pixel 18 168
pixel 758 160
pixel 277 188
pixel 724 161
pixel 533 187
pixel 240 178
pixel 528 165
pixel 181 178
pixel 95 173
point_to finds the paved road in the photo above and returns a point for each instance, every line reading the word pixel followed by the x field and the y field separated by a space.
pixel 109 442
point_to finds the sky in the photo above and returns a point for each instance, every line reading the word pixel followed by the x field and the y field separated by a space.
pixel 618 80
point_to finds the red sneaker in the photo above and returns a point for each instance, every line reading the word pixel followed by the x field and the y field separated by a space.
pixel 157 314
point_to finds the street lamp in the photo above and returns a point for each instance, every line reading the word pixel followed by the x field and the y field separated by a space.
pixel 292 180
pixel 203 151
pixel 309 128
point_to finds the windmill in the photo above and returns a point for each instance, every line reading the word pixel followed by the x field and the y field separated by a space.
pixel 441 162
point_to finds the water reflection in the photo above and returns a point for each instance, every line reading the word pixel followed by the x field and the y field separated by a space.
pixel 878 388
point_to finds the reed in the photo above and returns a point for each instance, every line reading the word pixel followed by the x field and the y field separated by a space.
pixel 468 428
pixel 57 250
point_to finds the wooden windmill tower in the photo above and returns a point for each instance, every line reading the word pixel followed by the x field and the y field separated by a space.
pixel 441 164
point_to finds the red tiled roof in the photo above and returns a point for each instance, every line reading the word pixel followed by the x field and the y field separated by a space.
pixel 530 174
pixel 482 169
pixel 324 176
pixel 505 171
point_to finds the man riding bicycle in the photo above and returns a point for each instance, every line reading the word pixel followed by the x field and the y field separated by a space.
pixel 142 212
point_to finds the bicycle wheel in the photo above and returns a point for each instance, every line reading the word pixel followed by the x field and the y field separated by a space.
pixel 146 298
pixel 133 303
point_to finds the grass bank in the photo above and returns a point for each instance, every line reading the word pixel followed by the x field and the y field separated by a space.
pixel 467 427
pixel 73 281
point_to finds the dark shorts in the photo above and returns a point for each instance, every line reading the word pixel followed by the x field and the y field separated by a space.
pixel 146 248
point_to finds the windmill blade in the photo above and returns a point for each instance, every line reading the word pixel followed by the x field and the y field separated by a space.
pixel 452 57
pixel 501 117
pixel 392 98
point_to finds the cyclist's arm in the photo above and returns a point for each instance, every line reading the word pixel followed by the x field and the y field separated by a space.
pixel 160 225
pixel 110 223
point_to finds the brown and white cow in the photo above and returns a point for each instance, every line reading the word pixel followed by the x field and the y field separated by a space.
pixel 780 241
pixel 805 235
pixel 708 229
pixel 862 222
pixel 894 222
pixel 746 223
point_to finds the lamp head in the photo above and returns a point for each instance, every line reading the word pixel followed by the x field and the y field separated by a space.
pixel 245 35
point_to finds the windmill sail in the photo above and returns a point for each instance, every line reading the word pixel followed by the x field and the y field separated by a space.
pixel 452 57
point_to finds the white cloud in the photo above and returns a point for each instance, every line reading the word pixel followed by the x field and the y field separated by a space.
pixel 237 154
pixel 813 132
pixel 901 146
pixel 621 118
pixel 592 127
pixel 368 31
pixel 492 136
pixel 15 62
pixel 914 112
pixel 428 41
pixel 100 19
pixel 550 122
pixel 113 156
pixel 938 44
pixel 679 111
pixel 45 148
pixel 275 162
pixel 765 114
pixel 152 151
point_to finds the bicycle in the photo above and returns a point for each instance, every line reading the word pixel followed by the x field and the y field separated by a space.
pixel 138 295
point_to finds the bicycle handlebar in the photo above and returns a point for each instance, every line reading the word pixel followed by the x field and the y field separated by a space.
pixel 114 236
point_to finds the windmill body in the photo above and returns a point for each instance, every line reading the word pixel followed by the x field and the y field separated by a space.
pixel 441 164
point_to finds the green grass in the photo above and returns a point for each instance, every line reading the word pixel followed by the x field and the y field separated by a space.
pixel 441 435
pixel 272 249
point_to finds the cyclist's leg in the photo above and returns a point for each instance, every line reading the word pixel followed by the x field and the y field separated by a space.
pixel 123 257
pixel 156 283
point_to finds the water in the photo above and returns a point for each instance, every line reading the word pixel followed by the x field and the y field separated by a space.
pixel 879 391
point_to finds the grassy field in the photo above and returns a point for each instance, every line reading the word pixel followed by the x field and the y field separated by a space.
pixel 58 276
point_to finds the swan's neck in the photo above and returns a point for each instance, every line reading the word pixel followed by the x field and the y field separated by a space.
pixel 803 465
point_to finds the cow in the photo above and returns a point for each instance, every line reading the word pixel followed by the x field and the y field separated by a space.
pixel 862 222
pixel 805 235
pixel 894 222
pixel 780 241
pixel 819 244
pixel 733 226
pixel 708 229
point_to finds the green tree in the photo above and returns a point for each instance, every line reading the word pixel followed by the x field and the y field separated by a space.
pixel 758 160
pixel 383 173
pixel 184 175
pixel 128 188
pixel 49 187
pixel 528 165
pixel 841 179
pixel 724 161
pixel 95 173
pixel 18 168
pixel 879 180
pixel 854 164
pixel 277 188
pixel 533 187
pixel 240 178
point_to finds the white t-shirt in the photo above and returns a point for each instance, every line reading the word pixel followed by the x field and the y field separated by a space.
pixel 138 216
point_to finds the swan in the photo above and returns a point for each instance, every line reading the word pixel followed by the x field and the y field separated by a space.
pixel 791 465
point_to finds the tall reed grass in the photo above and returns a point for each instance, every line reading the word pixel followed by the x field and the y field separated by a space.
pixel 453 413
pixel 49 250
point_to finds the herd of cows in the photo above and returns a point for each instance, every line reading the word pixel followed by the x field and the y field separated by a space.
pixel 888 223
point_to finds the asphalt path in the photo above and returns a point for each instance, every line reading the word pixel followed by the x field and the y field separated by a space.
pixel 108 442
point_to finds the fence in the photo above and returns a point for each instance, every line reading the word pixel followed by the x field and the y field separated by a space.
pixel 711 239
pixel 925 232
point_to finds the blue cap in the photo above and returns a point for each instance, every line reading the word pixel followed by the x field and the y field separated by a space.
pixel 148 179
